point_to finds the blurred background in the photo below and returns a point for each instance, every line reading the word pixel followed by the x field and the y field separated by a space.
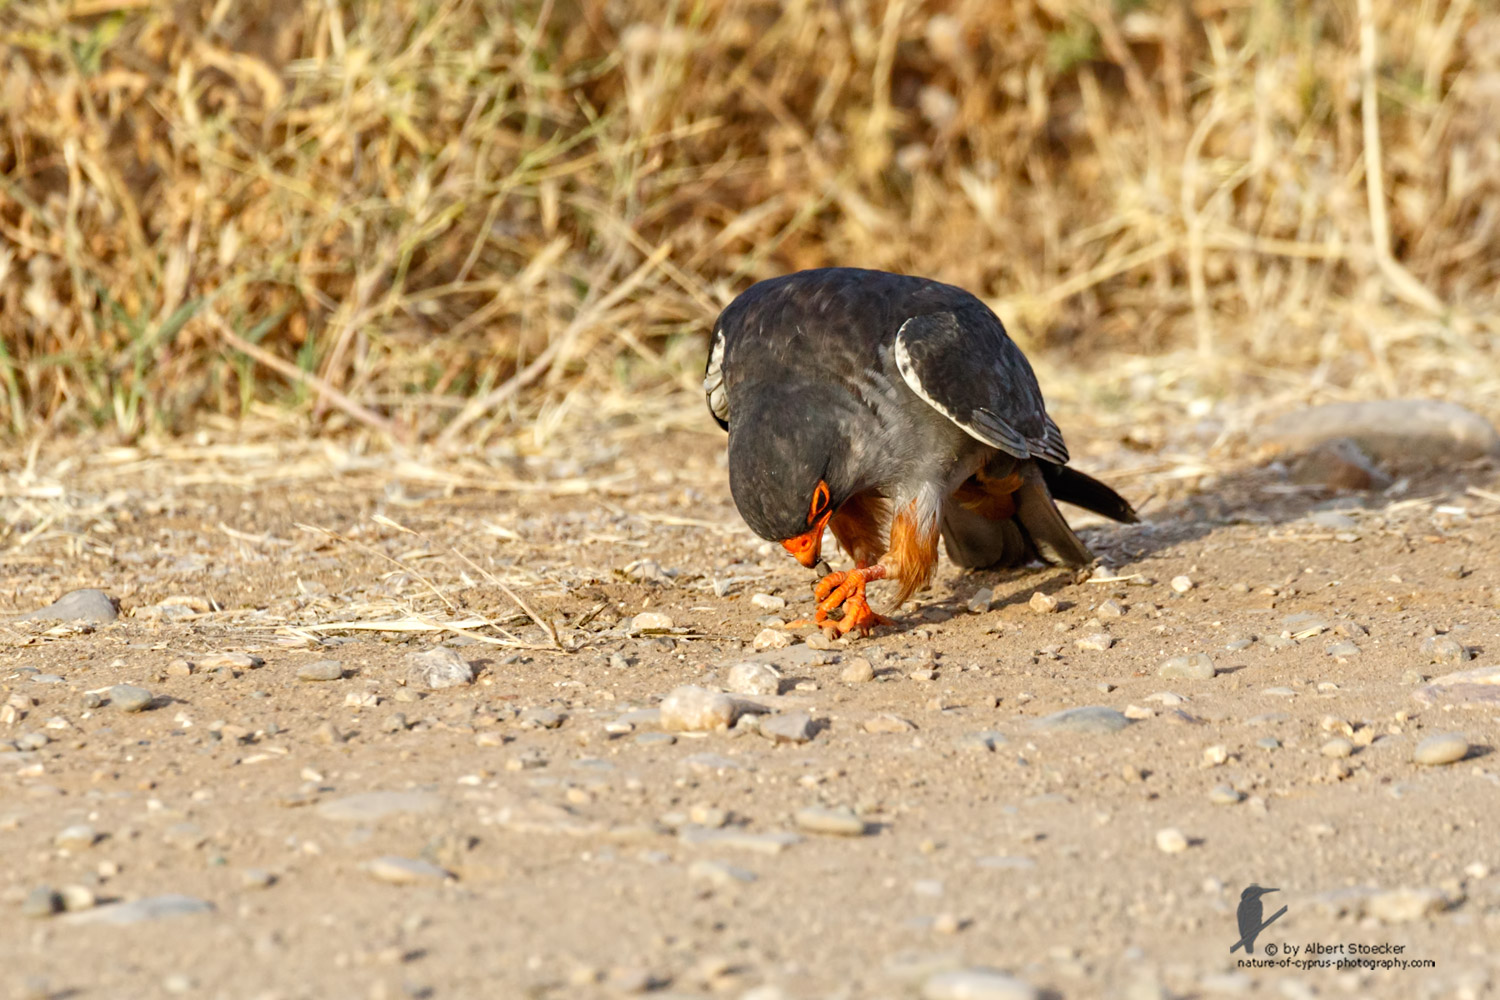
pixel 439 220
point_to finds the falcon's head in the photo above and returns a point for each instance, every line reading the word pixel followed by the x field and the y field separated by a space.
pixel 787 465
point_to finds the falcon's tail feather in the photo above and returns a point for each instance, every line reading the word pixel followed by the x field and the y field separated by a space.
pixel 1084 491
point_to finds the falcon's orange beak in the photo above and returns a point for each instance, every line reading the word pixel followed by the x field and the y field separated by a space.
pixel 808 546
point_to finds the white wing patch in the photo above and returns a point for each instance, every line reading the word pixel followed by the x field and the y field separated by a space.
pixel 982 425
pixel 713 379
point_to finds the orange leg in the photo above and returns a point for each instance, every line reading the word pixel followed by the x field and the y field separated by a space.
pixel 848 589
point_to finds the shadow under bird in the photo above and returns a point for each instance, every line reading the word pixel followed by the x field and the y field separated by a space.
pixel 892 410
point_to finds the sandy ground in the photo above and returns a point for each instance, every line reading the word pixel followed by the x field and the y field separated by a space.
pixel 602 857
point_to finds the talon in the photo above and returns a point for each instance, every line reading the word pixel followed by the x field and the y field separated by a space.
pixel 828 585
pixel 848 590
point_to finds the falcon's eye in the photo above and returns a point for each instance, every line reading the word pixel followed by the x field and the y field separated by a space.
pixel 819 502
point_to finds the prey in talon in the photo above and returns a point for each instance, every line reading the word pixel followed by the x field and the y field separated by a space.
pixel 893 411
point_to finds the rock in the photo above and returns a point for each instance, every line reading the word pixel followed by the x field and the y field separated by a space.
pixel 888 723
pixel 1400 906
pixel 43 901
pixel 788 727
pixel 1441 748
pixel 1444 649
pixel 720 873
pixel 1098 641
pixel 143 910
pixel 1192 667
pixel 257 878
pixel 77 837
pixel 819 640
pixel 1171 840
pixel 1110 608
pixel 690 708
pixel 768 601
pixel 857 671
pixel 406 871
pixel 439 668
pixel 129 698
pixel 368 807
pixel 1224 795
pixel 78 606
pixel 650 621
pixel 76 898
pixel 321 670
pixel 1343 649
pixel 1338 747
pixel 235 661
pixel 1084 719
pixel 539 718
pixel 976 984
pixel 771 638
pixel 654 739
pixel 839 821
pixel 1042 604
pixel 983 598
pixel 1338 464
pixel 751 678
pixel 1392 430
pixel 1181 584
pixel 1476 688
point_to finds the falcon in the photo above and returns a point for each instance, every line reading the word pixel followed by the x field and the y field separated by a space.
pixel 890 410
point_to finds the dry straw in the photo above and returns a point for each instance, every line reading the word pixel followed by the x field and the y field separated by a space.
pixel 417 216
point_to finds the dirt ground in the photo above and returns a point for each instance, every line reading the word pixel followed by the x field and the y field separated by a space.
pixel 601 857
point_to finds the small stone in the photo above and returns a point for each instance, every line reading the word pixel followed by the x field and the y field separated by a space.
pixel 76 898
pixel 1343 649
pixel 923 674
pixel 983 741
pixel 690 708
pixel 405 871
pixel 43 901
pixel 394 723
pixel 1338 748
pixel 618 661
pixel 143 910
pixel 256 878
pixel 1084 719
pixel 1215 755
pixel 1110 608
pixel 77 837
pixel 768 601
pixel 78 606
pixel 655 739
pixel 327 732
pixel 1193 667
pixel 439 668
pixel 1182 584
pixel 820 641
pixel 1441 748
pixel 1171 840
pixel 129 698
pixel 539 718
pixel 788 727
pixel 857 671
pixel 757 679
pixel 321 670
pixel 1042 604
pixel 1098 641
pixel 235 661
pixel 1445 649
pixel 771 638
pixel 1224 795
pixel 981 601
pixel 527 760
pixel 888 723
pixel 720 873
pixel 180 668
pixel 839 821
pixel 650 621
pixel 1135 713
pixel 976 984
pixel 1239 645
pixel 1401 906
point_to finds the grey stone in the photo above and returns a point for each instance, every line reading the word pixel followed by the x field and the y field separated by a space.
pixel 78 606
pixel 405 871
pixel 1444 649
pixel 788 727
pixel 655 739
pixel 885 722
pixel 689 708
pixel 1224 795
pixel 1342 649
pixel 720 873
pixel 1476 688
pixel 1392 430
pixel 539 718
pixel 1084 719
pixel 981 601
pixel 753 678
pixel 857 671
pixel 368 807
pixel 321 670
pixel 77 837
pixel 1441 748
pixel 839 821
pixel 976 984
pixel 1193 667
pixel 439 668
pixel 143 910
pixel 43 901
pixel 129 698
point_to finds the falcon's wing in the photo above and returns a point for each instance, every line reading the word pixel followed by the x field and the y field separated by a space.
pixel 713 380
pixel 964 365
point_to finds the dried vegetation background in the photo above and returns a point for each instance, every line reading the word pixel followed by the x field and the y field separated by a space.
pixel 436 219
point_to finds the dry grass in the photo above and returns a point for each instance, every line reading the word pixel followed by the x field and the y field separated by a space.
pixel 431 219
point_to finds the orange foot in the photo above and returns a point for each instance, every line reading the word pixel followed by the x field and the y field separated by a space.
pixel 848 589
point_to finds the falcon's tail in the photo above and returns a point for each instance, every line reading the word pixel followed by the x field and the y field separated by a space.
pixel 1037 529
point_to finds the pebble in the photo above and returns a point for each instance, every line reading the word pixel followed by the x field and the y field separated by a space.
pixel 857 671
pixel 839 821
pixel 143 910
pixel 76 898
pixel 87 605
pixel 1445 649
pixel 367 807
pixel 768 601
pixel 689 708
pixel 257 878
pixel 1110 608
pixel 1042 604
pixel 321 670
pixel 788 727
pixel 753 678
pixel 976 984
pixel 720 873
pixel 1342 649
pixel 1084 719
pixel 239 661
pixel 1171 840
pixel 983 598
pixel 1182 584
pixel 405 871
pixel 439 668
pixel 885 722
pixel 539 718
pixel 1401 906
pixel 129 698
pixel 43 901
pixel 771 638
pixel 1239 645
pixel 650 621
pixel 1193 667
pixel 1097 641
pixel 1441 748
pixel 1339 747
pixel 1224 795
pixel 655 739
pixel 1476 688
pixel 820 641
